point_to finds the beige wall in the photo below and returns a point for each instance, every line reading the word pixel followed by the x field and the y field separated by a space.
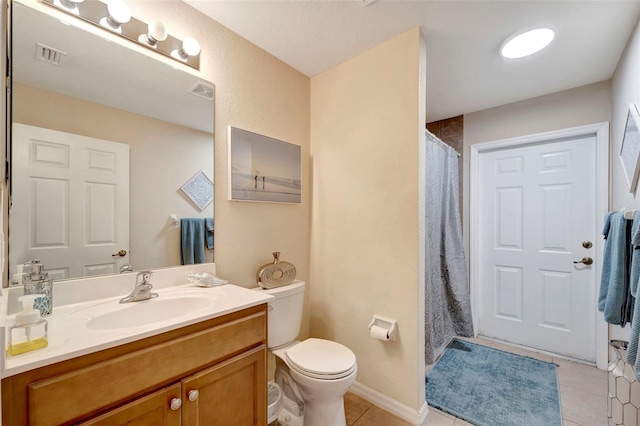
pixel 366 122
pixel 625 89
pixel 257 92
pixel 163 156
pixel 569 108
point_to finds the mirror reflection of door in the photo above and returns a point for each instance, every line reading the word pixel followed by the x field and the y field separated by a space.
pixel 105 90
pixel 70 202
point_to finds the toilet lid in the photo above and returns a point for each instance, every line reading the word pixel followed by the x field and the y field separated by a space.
pixel 318 357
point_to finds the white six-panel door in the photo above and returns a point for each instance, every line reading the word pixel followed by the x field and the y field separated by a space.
pixel 536 207
pixel 70 202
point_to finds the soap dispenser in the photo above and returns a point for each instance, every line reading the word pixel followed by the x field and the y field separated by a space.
pixel 30 332
pixel 37 281
pixel 17 278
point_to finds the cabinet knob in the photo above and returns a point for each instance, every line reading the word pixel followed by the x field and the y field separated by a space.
pixel 193 394
pixel 175 404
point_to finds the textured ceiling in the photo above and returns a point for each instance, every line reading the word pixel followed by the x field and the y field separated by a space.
pixel 464 70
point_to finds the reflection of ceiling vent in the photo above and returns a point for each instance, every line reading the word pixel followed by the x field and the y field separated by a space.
pixel 203 90
pixel 50 55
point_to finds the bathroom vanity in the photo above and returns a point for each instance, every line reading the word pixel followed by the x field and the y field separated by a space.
pixel 201 367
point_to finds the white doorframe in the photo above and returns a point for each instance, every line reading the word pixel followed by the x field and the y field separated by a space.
pixel 601 133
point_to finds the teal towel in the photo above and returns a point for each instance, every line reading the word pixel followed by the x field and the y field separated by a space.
pixel 634 274
pixel 615 298
pixel 208 226
pixel 192 241
pixel 634 337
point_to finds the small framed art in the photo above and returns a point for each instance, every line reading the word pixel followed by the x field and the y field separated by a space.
pixel 199 189
pixel 630 152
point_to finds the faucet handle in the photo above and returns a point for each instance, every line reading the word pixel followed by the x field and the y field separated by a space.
pixel 146 277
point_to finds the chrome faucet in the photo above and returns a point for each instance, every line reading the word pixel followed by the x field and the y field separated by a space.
pixel 127 267
pixel 142 290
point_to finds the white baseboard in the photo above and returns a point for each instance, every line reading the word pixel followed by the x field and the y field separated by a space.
pixel 391 405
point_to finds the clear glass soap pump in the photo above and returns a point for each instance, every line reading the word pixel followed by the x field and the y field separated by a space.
pixel 30 332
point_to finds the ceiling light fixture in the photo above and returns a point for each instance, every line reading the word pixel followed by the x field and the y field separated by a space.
pixel 526 43
pixel 115 17
pixel 156 32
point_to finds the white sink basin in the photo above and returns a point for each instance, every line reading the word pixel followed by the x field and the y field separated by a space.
pixel 147 312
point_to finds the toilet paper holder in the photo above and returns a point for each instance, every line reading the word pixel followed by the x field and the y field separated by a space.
pixel 386 323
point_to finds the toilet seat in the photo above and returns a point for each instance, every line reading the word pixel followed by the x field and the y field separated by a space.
pixel 321 359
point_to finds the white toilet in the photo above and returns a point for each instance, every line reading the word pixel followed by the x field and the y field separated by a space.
pixel 314 374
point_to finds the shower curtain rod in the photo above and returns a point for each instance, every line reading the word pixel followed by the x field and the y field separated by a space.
pixel 437 139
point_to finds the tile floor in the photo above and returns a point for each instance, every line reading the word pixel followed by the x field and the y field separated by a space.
pixel 583 394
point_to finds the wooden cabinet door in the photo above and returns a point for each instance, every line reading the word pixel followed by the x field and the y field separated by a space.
pixel 151 410
pixel 231 393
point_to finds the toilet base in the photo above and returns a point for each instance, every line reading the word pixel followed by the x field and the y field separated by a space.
pixel 288 415
pixel 325 414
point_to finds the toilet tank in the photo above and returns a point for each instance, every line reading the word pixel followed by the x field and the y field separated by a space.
pixel 285 313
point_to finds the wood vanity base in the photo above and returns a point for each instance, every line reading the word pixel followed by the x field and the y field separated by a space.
pixel 223 360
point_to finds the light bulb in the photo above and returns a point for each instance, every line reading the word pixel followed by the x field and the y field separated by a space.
pixel 119 14
pixel 190 47
pixel 156 32
pixel 70 6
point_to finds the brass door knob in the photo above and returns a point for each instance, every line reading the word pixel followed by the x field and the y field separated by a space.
pixel 121 253
pixel 585 260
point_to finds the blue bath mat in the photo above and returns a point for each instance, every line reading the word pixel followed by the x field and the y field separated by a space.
pixel 489 387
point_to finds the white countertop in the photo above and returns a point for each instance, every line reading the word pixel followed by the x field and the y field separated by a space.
pixel 71 333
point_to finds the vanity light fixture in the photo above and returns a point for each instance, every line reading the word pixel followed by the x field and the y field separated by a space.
pixel 526 43
pixel 156 32
pixel 190 47
pixel 115 16
pixel 119 14
pixel 69 6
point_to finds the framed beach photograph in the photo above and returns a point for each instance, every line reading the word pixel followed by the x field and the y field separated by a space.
pixel 263 169
pixel 630 152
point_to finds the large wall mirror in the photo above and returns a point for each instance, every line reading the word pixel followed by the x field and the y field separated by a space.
pixel 103 139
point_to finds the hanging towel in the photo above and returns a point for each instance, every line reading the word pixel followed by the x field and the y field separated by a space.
pixel 615 298
pixel 208 222
pixel 192 241
pixel 634 337
pixel 634 274
pixel 634 277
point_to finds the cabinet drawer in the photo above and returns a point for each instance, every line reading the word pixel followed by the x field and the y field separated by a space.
pixel 77 394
